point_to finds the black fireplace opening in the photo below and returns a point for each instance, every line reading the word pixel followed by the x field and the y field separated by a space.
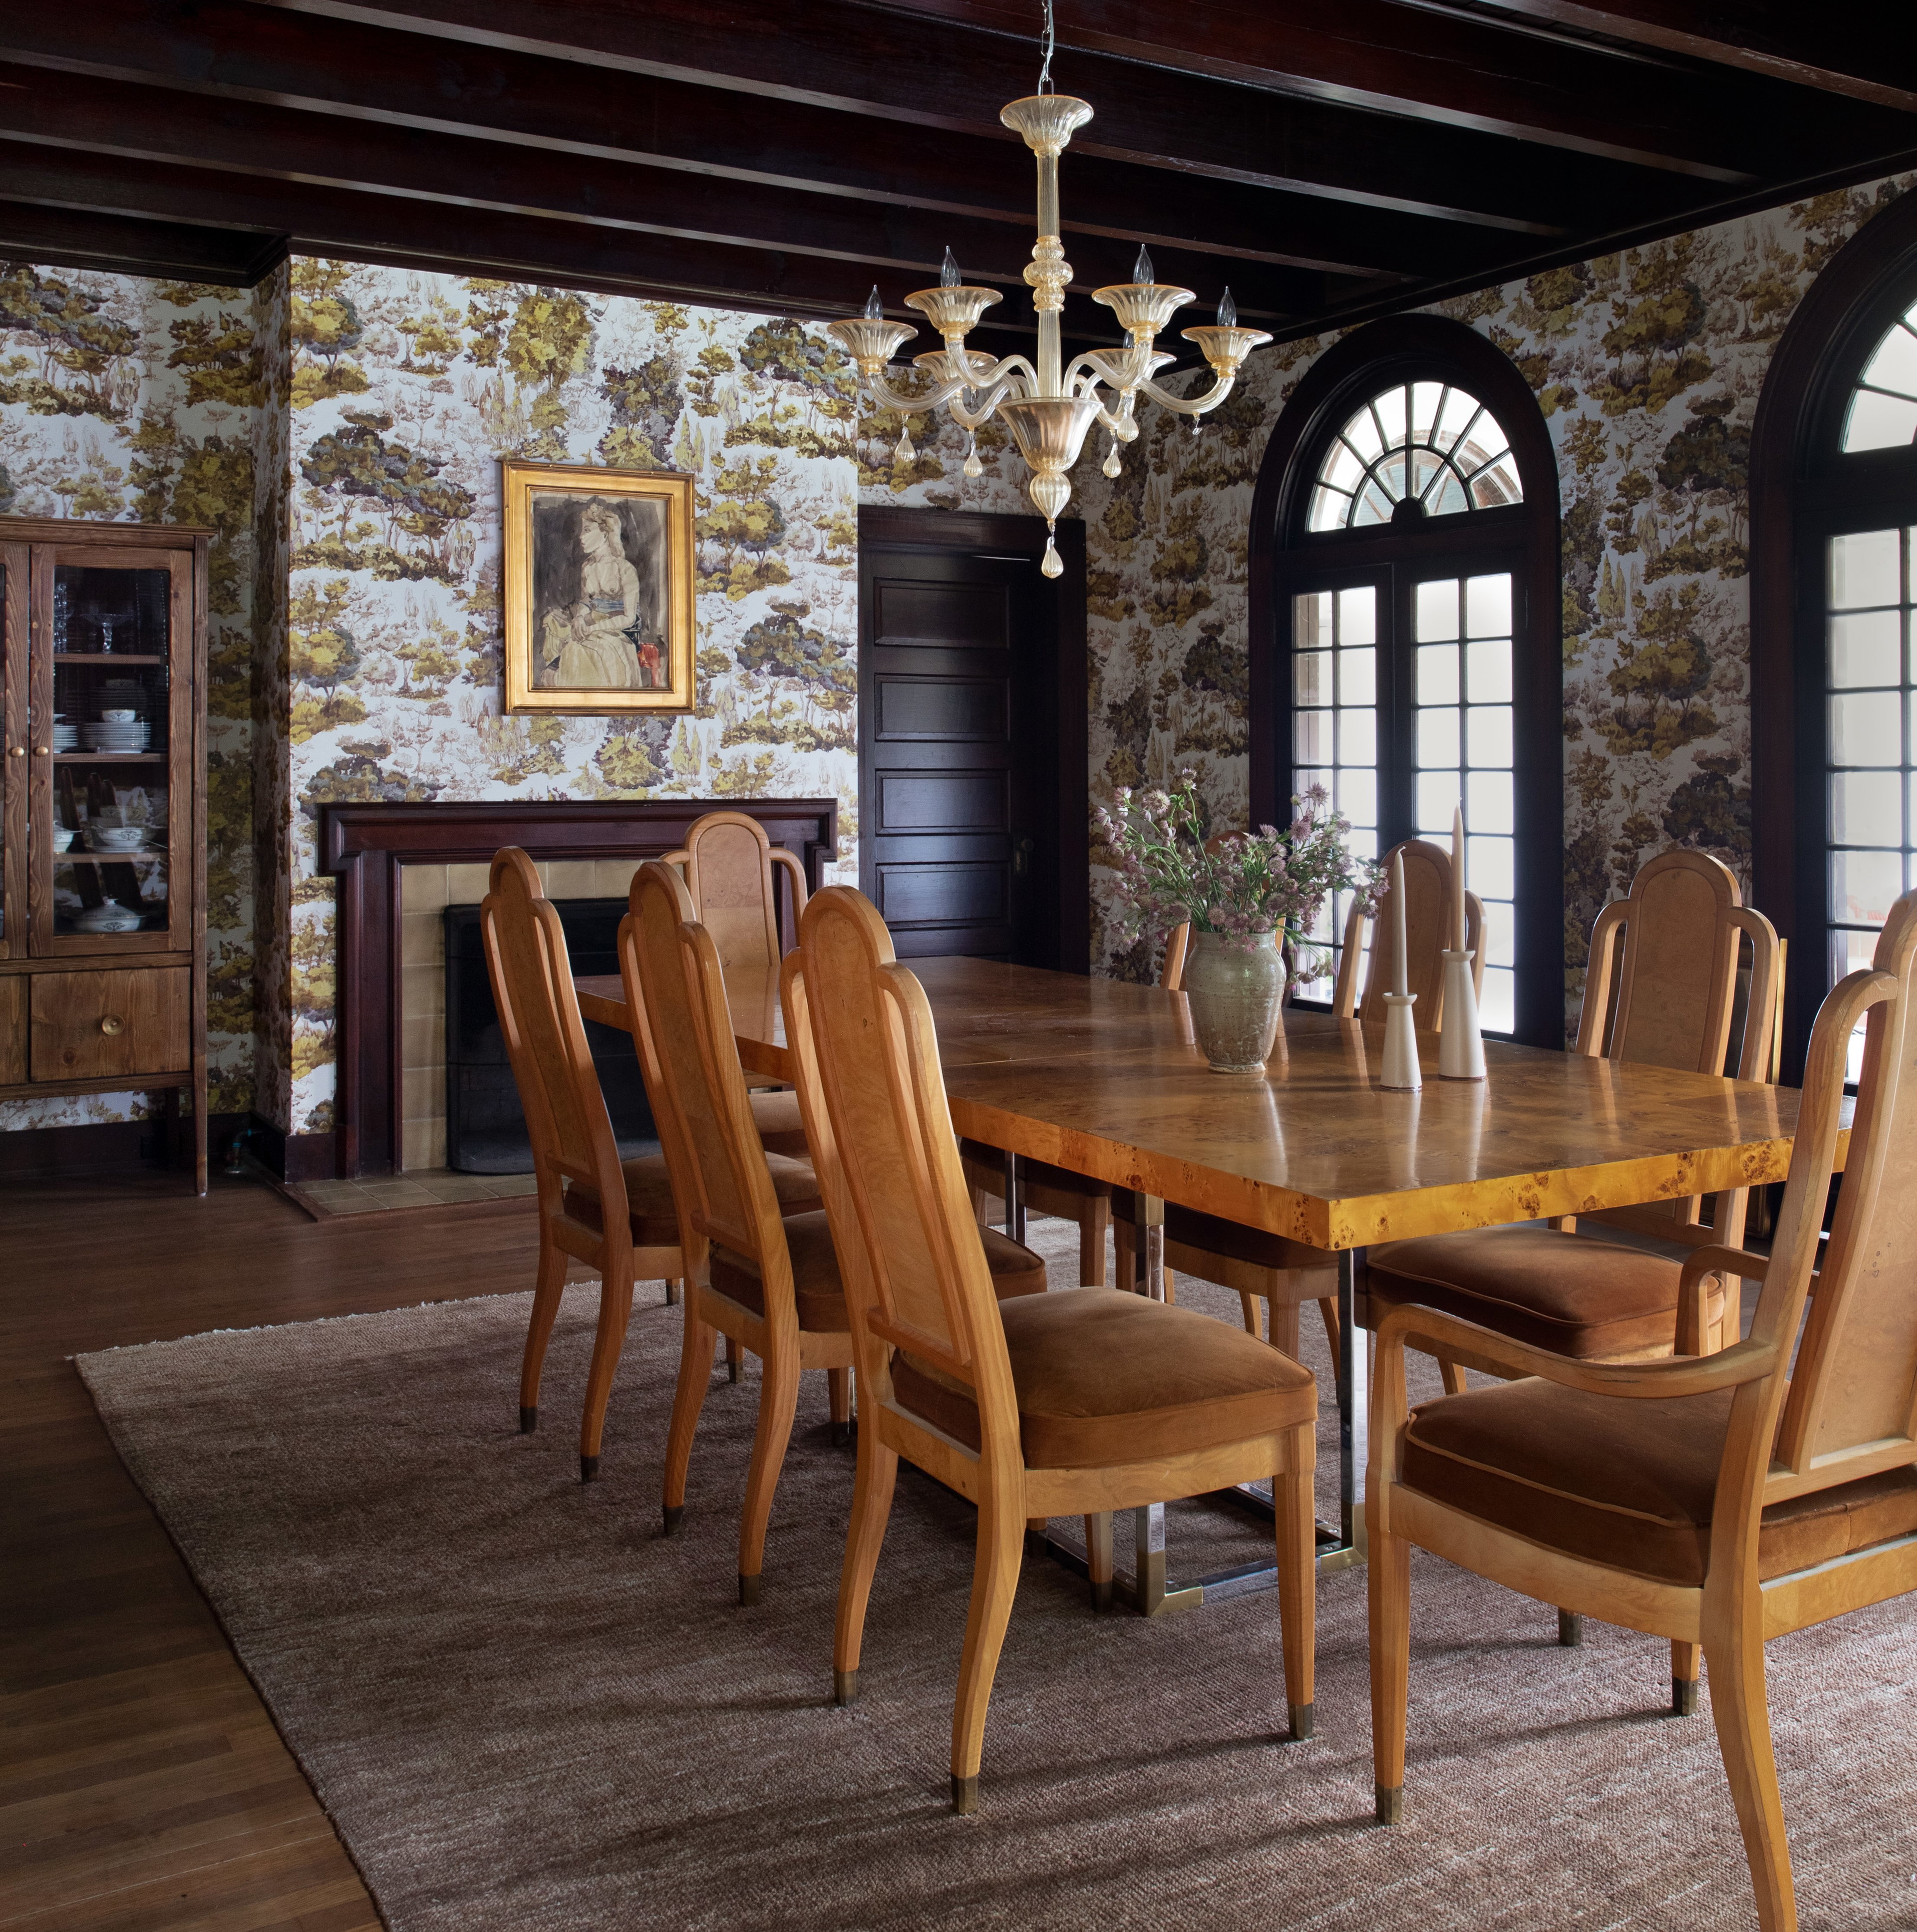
pixel 485 1127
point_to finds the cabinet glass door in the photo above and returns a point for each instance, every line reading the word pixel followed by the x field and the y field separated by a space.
pixel 15 669
pixel 112 812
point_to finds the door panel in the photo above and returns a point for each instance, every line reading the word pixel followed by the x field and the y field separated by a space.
pixel 957 751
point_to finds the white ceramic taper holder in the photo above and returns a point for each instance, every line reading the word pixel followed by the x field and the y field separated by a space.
pixel 1401 1069
pixel 1460 1043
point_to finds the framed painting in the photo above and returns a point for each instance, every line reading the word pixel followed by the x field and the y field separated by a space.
pixel 598 589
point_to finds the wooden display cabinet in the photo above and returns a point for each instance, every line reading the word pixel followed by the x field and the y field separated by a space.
pixel 102 887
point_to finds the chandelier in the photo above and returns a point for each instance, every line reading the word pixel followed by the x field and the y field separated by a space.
pixel 1049 409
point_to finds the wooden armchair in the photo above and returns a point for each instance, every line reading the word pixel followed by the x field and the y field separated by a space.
pixel 1082 1401
pixel 1266 1267
pixel 759 1274
pixel 617 1216
pixel 1785 1494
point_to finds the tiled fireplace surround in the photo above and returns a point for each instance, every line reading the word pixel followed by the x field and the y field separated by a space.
pixel 398 867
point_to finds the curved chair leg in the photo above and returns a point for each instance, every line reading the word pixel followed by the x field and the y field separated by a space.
pixel 695 1375
pixel 871 1508
pixel 1095 1218
pixel 1388 1573
pixel 1327 1308
pixel 548 1289
pixel 1734 1645
pixel 615 1312
pixel 778 1400
pixel 994 1583
pixel 1453 1375
pixel 1248 1305
pixel 1297 1578
pixel 1685 1658
pixel 839 1385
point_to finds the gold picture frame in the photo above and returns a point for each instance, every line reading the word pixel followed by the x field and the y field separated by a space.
pixel 598 589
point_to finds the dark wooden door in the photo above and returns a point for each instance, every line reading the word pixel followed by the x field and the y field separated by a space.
pixel 959 746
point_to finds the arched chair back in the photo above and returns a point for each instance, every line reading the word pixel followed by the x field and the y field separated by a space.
pixel 545 1038
pixel 1427 933
pixel 729 865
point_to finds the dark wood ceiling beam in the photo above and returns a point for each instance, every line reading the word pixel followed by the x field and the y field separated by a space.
pixel 898 246
pixel 1459 69
pixel 1867 53
pixel 224 48
pixel 929 74
pixel 85 238
pixel 312 219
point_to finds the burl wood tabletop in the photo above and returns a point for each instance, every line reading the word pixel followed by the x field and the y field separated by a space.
pixel 1104 1077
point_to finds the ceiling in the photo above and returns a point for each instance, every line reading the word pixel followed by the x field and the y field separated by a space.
pixel 1329 159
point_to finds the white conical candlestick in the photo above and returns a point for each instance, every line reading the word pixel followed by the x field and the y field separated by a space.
pixel 1401 1069
pixel 1460 1044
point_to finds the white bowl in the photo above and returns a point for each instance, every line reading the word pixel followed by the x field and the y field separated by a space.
pixel 119 717
pixel 63 837
pixel 110 918
pixel 130 840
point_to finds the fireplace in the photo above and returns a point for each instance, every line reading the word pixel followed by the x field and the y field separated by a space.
pixel 380 852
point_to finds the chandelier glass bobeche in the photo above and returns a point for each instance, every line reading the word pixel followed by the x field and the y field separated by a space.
pixel 1049 409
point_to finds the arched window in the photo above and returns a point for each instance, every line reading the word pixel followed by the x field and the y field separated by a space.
pixel 1405 626
pixel 1833 566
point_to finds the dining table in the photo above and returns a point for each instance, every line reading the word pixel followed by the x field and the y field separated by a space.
pixel 1105 1078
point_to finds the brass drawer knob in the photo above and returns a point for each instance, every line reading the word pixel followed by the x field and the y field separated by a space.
pixel 112 1024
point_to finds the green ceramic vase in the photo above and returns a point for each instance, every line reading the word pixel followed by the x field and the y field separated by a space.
pixel 1236 992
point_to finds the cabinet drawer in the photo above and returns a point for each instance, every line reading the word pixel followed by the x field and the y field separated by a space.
pixel 87 1026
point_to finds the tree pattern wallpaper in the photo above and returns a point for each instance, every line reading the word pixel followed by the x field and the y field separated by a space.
pixel 340 427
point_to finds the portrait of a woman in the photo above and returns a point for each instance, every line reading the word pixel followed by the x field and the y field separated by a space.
pixel 598 589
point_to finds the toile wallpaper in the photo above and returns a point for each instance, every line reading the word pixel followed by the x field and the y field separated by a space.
pixel 341 427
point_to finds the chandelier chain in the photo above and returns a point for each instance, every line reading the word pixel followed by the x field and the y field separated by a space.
pixel 1045 69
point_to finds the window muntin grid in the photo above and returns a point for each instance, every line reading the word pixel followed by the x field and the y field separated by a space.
pixel 1334 725
pixel 1870 694
pixel 1882 410
pixel 1462 748
pixel 1430 442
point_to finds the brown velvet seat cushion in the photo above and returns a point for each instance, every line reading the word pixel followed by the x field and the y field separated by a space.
pixel 1104 1377
pixel 1567 1293
pixel 1014 1269
pixel 1627 1483
pixel 1217 1237
pixel 648 1194
pixel 1036 1173
pixel 775 1114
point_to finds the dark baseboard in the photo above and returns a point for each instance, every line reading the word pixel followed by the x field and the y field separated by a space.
pixel 309 1156
pixel 100 1147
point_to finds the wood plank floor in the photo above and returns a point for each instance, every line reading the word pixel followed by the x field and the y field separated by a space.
pixel 142 1785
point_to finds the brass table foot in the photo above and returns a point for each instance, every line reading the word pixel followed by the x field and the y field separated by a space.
pixel 589 1468
pixel 1684 1696
pixel 965 1795
pixel 749 1591
pixel 1571 1629
pixel 673 1515
pixel 1302 1720
pixel 845 1687
pixel 1391 1805
pixel 529 1418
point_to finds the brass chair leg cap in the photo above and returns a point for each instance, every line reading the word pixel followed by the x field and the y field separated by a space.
pixel 845 1687
pixel 1571 1629
pixel 1391 1805
pixel 1684 1696
pixel 1303 1719
pixel 529 1418
pixel 589 1468
pixel 749 1591
pixel 965 1795
pixel 1101 1594
pixel 673 1515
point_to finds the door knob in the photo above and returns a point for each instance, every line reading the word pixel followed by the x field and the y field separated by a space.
pixel 1022 849
pixel 18 752
pixel 112 1024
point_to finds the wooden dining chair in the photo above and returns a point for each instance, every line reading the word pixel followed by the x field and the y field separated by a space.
pixel 1083 1400
pixel 1718 1501
pixel 731 868
pixel 616 1216
pixel 768 1280
pixel 1266 1269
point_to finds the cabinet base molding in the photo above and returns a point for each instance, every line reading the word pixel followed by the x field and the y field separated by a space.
pixel 102 1147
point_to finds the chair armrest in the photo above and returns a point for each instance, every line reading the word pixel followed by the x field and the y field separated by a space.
pixel 1716 1260
pixel 1465 1343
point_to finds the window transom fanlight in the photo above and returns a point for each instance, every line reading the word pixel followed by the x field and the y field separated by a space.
pixel 1416 449
pixel 1882 413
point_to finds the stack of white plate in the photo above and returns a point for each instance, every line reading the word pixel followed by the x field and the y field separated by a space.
pixel 132 735
pixel 65 736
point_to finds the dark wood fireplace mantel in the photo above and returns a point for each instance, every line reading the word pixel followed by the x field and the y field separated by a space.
pixel 363 847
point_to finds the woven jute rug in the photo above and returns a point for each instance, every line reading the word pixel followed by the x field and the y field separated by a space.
pixel 523 1708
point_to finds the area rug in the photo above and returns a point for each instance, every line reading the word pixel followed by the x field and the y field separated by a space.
pixel 522 1708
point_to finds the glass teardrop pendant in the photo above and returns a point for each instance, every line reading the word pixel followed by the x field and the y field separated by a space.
pixel 903 452
pixel 973 467
pixel 1053 565
pixel 1112 465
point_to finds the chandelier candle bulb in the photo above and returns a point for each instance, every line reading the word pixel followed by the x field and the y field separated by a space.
pixel 1228 310
pixel 1048 406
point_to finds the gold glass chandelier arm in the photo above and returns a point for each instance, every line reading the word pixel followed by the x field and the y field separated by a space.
pixel 882 393
pixel 1197 406
pixel 988 404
